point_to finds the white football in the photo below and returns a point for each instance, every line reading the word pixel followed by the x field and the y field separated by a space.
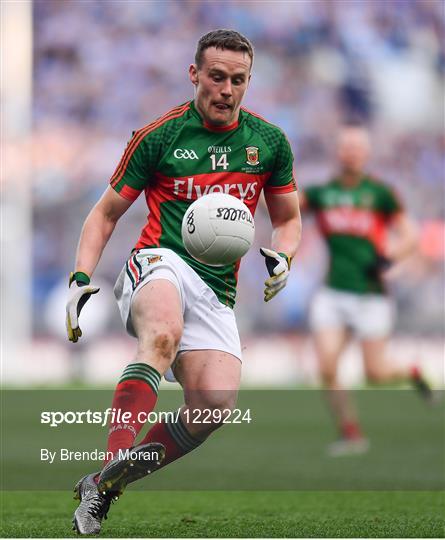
pixel 217 229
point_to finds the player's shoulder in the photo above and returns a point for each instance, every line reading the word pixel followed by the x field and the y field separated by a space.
pixel 386 196
pixel 377 184
pixel 272 133
pixel 170 119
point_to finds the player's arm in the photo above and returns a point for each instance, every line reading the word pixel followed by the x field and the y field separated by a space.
pixel 128 181
pixel 284 212
pixel 96 231
pixel 303 200
pixel 403 239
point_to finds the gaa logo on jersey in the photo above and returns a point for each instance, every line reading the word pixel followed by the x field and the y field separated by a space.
pixel 181 153
pixel 252 155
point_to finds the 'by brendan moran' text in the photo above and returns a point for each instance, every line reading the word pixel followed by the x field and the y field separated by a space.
pixel 65 454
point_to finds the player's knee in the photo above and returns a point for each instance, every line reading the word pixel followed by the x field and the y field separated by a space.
pixel 219 400
pixel 165 342
pixel 161 344
pixel 374 375
pixel 215 405
pixel 328 375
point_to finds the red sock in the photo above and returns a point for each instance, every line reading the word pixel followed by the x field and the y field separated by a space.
pixel 136 391
pixel 415 372
pixel 174 436
pixel 351 430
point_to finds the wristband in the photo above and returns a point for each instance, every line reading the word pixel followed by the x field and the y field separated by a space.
pixel 80 278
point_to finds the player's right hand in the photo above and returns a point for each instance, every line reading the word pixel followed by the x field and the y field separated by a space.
pixel 80 291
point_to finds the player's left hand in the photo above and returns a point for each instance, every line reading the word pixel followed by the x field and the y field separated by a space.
pixel 278 266
pixel 380 267
pixel 78 296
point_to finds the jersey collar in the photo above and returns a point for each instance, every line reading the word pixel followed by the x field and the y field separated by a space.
pixel 340 182
pixel 210 127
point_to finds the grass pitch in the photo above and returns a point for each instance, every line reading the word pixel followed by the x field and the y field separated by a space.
pixel 235 514
pixel 267 478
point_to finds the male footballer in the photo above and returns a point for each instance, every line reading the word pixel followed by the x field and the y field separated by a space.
pixel 179 310
pixel 355 214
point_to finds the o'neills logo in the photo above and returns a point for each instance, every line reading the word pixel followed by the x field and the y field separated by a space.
pixel 191 190
pixel 252 155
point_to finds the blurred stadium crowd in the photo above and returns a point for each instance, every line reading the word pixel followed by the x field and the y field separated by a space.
pixel 105 68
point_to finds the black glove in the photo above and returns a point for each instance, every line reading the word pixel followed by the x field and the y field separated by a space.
pixel 380 265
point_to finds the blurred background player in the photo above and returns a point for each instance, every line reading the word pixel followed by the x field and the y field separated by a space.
pixel 181 311
pixel 367 231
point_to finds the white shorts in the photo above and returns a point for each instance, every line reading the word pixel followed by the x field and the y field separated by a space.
pixel 208 324
pixel 368 315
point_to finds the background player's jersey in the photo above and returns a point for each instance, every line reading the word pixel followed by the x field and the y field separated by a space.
pixel 354 223
pixel 177 159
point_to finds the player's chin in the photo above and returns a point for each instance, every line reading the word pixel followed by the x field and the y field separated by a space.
pixel 222 117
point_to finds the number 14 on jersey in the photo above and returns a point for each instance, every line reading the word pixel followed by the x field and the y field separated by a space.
pixel 222 162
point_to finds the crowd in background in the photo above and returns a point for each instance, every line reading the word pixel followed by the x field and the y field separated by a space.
pixel 105 68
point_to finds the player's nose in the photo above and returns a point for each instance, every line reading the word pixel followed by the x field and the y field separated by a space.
pixel 226 89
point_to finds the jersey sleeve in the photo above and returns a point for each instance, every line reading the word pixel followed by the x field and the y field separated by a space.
pixel 137 165
pixel 282 179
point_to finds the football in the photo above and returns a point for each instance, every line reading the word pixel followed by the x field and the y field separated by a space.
pixel 217 229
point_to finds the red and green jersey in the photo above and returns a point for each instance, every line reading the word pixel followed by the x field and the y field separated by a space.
pixel 177 159
pixel 354 222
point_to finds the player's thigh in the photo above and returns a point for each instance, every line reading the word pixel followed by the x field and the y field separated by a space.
pixel 374 357
pixel 156 315
pixel 210 378
pixel 329 344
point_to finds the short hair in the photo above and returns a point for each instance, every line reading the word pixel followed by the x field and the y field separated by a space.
pixel 223 39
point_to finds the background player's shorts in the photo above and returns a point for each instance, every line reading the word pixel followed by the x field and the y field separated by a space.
pixel 208 324
pixel 368 315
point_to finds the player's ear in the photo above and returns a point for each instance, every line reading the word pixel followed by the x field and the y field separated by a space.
pixel 193 74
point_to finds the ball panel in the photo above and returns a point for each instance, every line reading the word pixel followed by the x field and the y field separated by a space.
pixel 204 230
pixel 228 249
pixel 218 229
pixel 197 234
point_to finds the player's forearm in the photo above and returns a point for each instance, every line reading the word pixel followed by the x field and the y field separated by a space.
pixel 95 234
pixel 403 248
pixel 286 237
pixel 404 242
